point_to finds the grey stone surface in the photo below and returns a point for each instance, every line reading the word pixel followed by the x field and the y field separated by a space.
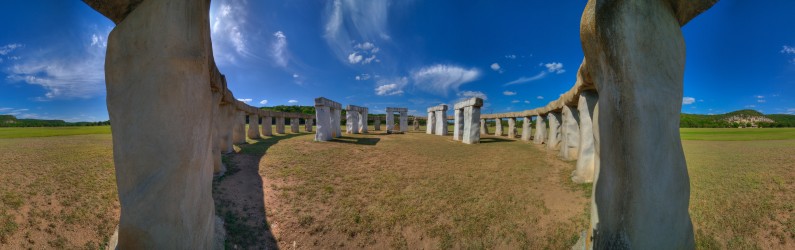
pixel 498 127
pixel 336 122
pixel 352 122
pixel 584 171
pixel 458 124
pixel 253 127
pixel 156 69
pixel 323 117
pixel 308 123
pixel 472 125
pixel 377 125
pixel 570 133
pixel 541 129
pixel 430 124
pixel 526 131
pixel 512 127
pixel 553 136
pixel 484 130
pixel 294 122
pixel 267 126
pixel 441 121
pixel 404 121
pixel 280 125
pixel 239 133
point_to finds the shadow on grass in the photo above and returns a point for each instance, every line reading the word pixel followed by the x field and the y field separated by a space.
pixel 239 197
pixel 358 141
pixel 494 139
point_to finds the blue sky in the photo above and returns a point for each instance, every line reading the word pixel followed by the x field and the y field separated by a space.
pixel 517 55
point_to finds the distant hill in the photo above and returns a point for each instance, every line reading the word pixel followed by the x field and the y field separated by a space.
pixel 737 119
pixel 12 121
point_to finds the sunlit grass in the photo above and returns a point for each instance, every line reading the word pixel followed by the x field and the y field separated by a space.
pixel 6 133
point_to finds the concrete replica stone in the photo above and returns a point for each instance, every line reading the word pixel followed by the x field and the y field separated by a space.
pixel 253 126
pixel 156 69
pixel 294 122
pixel 512 127
pixel 570 132
pixel 541 129
pixel 430 124
pixel 239 130
pixel 377 124
pixel 363 115
pixel 484 130
pixel 467 120
pixel 336 121
pixel 390 119
pixel 439 119
pixel 635 57
pixel 416 124
pixel 526 130
pixel 584 171
pixel 458 124
pixel 308 122
pixel 356 119
pixel 218 166
pixel 324 114
pixel 553 137
pixel 267 126
pixel 280 125
pixel 498 127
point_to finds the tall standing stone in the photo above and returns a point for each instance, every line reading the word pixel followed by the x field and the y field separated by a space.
pixel 440 119
pixel 526 129
pixel 584 172
pixel 267 126
pixel 498 129
pixel 553 139
pixel 458 124
pixel 308 122
pixel 430 124
pixel 325 112
pixel 416 124
pixel 390 121
pixel 253 126
pixel 157 80
pixel 294 125
pixel 541 129
pixel 377 124
pixel 363 114
pixel 470 122
pixel 336 122
pixel 570 131
pixel 280 124
pixel 351 122
pixel 484 129
pixel 512 127
pixel 404 121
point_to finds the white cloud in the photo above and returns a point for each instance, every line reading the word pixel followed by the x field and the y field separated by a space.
pixel 688 100
pixel 293 101
pixel 350 20
pixel 228 30
pixel 4 50
pixel 555 67
pixel 63 76
pixel 526 101
pixel 367 46
pixel 510 56
pixel 761 100
pixel 524 79
pixel 246 100
pixel 788 50
pixel 508 93
pixel 391 86
pixel 263 102
pixel 515 101
pixel 540 97
pixel 469 94
pixel 760 97
pixel 363 77
pixel 440 79
pixel 369 59
pixel 495 66
pixel 354 58
pixel 295 75
pixel 279 49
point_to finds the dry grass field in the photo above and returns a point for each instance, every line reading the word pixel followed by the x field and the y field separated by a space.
pixel 393 191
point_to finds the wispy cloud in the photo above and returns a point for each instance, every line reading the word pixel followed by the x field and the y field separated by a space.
pixel 688 100
pixel 496 67
pixel 62 75
pixel 524 79
pixel 515 101
pixel 526 102
pixel 362 77
pixel 293 101
pixel 508 93
pixel 555 67
pixel 440 78
pixel 246 100
pixel 4 50
pixel 263 102
pixel 229 31
pixel 386 87
pixel 350 20
pixel 279 49
pixel 540 97
pixel 788 50
pixel 510 56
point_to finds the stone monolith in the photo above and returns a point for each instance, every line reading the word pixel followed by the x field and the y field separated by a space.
pixel 541 129
pixel 570 133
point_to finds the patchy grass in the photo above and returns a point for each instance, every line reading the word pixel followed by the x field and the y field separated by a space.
pixel 416 190
pixel 57 192
pixel 737 134
pixel 7 133
pixel 742 193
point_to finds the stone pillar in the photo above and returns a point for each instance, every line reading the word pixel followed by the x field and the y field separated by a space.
pixel 512 127
pixel 308 122
pixel 253 126
pixel 416 124
pixel 390 122
pixel 541 129
pixel 363 121
pixel 636 59
pixel 585 164
pixel 430 126
pixel 441 121
pixel 218 166
pixel 159 100
pixel 570 131
pixel 323 115
pixel 553 139
pixel 472 121
pixel 526 128
pixel 337 132
pixel 404 122
pixel 239 127
pixel 267 126
pixel 352 122
pixel 458 124
pixel 498 129
pixel 377 124
pixel 294 125
pixel 484 129
pixel 229 128
pixel 280 125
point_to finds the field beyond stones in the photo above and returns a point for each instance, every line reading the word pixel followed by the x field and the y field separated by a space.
pixel 394 191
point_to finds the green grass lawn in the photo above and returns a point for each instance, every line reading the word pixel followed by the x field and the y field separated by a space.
pixel 737 134
pixel 6 133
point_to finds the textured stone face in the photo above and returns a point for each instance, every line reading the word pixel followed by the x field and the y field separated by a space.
pixel 512 127
pixel 323 115
pixel 294 125
pixel 570 132
pixel 115 10
pixel 156 69
pixel 390 122
pixel 441 122
pixel 239 133
pixel 377 125
pixel 458 124
pixel 498 125
pixel 472 125
pixel 267 126
pixel 553 138
pixel 352 122
pixel 430 124
pixel 336 120
pixel 363 121
pixel 404 122
pixel 483 129
pixel 584 171
pixel 541 130
pixel 308 124
pixel 526 128
pixel 253 127
pixel 280 125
